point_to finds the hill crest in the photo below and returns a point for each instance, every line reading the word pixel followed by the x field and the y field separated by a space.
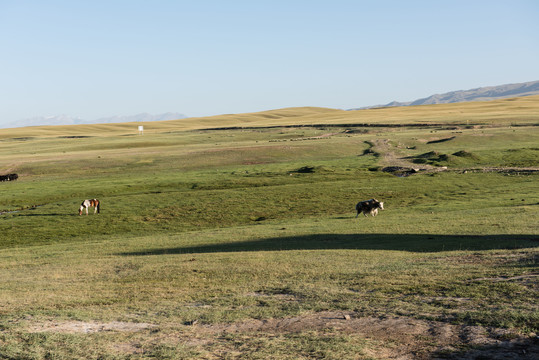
pixel 486 93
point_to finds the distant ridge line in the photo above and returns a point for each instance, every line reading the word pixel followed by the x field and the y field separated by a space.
pixel 485 93
pixel 416 125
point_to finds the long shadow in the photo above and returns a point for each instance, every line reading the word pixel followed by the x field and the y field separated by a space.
pixel 525 348
pixel 50 214
pixel 403 242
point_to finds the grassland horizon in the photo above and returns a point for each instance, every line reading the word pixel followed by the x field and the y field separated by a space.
pixel 235 236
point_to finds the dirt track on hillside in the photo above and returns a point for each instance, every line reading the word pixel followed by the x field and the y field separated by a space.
pixel 408 338
pixel 388 338
pixel 390 158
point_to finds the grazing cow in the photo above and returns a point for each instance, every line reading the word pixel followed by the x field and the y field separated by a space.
pixel 9 177
pixel 87 203
pixel 369 207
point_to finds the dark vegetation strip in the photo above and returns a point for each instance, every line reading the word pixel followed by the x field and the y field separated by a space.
pixel 441 140
pixel 453 126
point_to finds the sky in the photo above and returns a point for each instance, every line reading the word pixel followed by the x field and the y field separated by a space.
pixel 99 58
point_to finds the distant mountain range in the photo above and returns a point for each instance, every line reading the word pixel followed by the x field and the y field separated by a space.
pixel 480 94
pixel 69 120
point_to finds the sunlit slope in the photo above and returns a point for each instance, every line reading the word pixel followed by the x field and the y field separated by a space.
pixel 514 111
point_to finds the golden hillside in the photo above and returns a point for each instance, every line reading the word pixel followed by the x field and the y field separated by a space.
pixel 513 111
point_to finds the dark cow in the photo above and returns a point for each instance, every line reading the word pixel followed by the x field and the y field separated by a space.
pixel 9 177
pixel 369 207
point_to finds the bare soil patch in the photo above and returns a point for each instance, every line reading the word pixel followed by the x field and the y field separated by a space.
pixel 400 337
pixel 72 327
pixel 388 337
pixel 390 158
pixel 392 162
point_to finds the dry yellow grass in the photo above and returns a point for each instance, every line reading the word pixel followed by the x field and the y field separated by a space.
pixel 514 111
pixel 211 244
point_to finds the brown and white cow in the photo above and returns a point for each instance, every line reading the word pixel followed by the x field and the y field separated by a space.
pixel 87 203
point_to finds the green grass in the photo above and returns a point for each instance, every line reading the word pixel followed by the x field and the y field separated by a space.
pixel 239 199
pixel 264 272
pixel 219 227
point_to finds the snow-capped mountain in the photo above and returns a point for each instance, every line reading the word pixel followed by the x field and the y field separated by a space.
pixel 70 120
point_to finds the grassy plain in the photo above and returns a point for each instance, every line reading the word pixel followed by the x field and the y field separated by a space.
pixel 211 244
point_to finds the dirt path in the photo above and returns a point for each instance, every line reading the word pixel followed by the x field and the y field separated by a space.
pixel 407 338
pixel 389 157
pixel 388 338
pixel 73 327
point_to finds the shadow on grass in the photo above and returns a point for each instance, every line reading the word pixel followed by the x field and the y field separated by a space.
pixel 402 242
pixel 49 214
pixel 524 348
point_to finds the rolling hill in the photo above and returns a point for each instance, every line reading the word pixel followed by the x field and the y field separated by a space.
pixel 478 94
pixel 511 111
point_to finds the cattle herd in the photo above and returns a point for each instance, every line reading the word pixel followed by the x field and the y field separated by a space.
pixel 9 177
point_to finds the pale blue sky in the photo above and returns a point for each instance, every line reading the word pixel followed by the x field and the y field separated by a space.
pixel 96 58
